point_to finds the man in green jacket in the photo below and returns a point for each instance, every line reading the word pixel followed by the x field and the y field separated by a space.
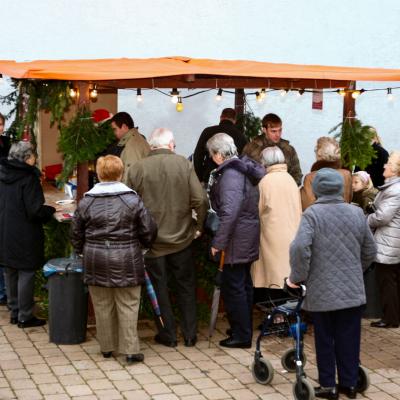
pixel 171 191
pixel 131 145
pixel 272 136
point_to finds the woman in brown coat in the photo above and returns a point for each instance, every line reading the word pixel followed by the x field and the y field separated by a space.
pixel 327 153
pixel 110 227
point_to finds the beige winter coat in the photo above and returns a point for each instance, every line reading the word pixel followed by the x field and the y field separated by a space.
pixel 280 213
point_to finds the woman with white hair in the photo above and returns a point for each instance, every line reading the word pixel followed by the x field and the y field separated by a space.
pixel 327 152
pixel 234 196
pixel 385 222
pixel 280 212
pixel 21 230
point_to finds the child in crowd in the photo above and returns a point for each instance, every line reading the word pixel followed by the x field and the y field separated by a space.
pixel 363 190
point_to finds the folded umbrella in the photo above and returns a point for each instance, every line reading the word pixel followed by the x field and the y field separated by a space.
pixel 153 297
pixel 215 298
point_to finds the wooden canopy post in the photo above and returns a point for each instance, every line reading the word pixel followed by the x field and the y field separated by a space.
pixel 82 168
pixel 239 101
pixel 349 103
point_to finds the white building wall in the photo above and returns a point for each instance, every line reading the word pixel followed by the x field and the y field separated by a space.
pixel 341 32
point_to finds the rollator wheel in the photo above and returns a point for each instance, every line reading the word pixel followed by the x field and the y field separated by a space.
pixel 303 390
pixel 262 371
pixel 288 360
pixel 363 379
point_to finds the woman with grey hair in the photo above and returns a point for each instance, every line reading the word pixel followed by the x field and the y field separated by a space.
pixel 21 230
pixel 327 152
pixel 280 212
pixel 385 222
pixel 234 196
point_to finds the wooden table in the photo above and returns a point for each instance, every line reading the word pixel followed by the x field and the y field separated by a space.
pixel 52 195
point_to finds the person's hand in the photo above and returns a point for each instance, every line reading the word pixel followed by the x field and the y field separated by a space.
pixel 214 251
pixel 291 284
pixel 197 234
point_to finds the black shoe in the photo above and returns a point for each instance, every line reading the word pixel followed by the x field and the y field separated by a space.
pixel 107 354
pixel 229 332
pixel 30 323
pixel 234 343
pixel 3 301
pixel 329 393
pixel 349 391
pixel 132 358
pixel 14 320
pixel 168 343
pixel 191 342
pixel 383 324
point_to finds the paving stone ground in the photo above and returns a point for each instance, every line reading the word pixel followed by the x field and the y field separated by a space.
pixel 32 368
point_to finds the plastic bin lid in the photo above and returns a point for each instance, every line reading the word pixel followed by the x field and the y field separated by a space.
pixel 62 266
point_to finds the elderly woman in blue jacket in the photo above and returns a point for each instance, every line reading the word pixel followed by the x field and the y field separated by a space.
pixel 332 248
pixel 385 222
pixel 234 196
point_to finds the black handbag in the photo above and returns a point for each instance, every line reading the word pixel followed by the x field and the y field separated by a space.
pixel 212 222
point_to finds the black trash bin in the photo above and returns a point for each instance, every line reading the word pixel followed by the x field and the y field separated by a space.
pixel 68 301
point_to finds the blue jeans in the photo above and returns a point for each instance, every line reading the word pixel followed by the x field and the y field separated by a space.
pixel 3 294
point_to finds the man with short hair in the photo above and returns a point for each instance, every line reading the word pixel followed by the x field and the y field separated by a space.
pixel 272 129
pixel 171 191
pixel 131 145
pixel 203 164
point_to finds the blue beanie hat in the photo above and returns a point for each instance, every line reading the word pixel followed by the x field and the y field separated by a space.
pixel 327 182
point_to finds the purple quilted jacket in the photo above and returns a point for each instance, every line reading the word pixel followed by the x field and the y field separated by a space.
pixel 234 196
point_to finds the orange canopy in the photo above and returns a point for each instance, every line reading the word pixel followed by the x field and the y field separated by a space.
pixel 146 70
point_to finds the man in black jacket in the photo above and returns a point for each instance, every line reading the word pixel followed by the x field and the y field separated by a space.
pixel 203 164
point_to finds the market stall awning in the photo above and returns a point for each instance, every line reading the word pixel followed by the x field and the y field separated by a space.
pixel 191 72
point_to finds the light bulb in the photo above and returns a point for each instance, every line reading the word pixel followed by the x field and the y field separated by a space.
pixel 179 105
pixel 93 94
pixel 390 95
pixel 1 79
pixel 139 97
pixel 355 94
pixel 263 94
pixel 342 92
pixel 73 92
pixel 283 92
pixel 175 95
pixel 218 97
pixel 258 97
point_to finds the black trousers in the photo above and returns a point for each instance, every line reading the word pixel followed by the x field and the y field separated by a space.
pixel 388 277
pixel 337 344
pixel 20 285
pixel 237 293
pixel 179 266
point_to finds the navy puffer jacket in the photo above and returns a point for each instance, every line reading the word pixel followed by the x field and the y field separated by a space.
pixel 234 196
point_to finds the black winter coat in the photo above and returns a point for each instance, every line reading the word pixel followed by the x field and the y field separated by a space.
pixel 234 196
pixel 22 214
pixel 203 164
pixel 110 229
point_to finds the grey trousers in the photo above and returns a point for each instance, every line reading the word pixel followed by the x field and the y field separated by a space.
pixel 116 311
pixel 180 266
pixel 20 285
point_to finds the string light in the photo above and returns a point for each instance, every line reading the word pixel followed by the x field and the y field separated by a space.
pixel 93 93
pixel 300 92
pixel 342 92
pixel 259 99
pixel 263 93
pixel 174 95
pixel 179 105
pixel 218 97
pixel 390 95
pixel 1 78
pixel 355 94
pixel 139 97
pixel 73 92
pixel 284 92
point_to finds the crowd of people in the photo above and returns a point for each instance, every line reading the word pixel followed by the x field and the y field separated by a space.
pixel 150 204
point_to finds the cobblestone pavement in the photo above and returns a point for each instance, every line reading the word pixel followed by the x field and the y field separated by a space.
pixel 32 368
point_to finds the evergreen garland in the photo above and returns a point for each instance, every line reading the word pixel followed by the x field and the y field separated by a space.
pixel 82 140
pixel 355 143
pixel 249 124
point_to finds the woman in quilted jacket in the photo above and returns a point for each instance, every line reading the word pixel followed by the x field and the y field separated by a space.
pixel 110 227
pixel 385 222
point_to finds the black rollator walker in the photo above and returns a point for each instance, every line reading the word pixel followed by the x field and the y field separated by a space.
pixel 294 359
